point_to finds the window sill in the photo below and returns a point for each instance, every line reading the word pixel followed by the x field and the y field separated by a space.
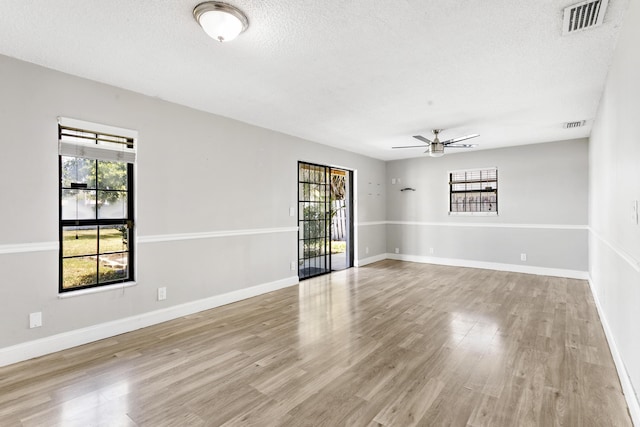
pixel 114 287
pixel 473 213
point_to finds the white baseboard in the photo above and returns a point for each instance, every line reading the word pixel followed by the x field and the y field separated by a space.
pixel 625 381
pixel 528 269
pixel 370 260
pixel 40 347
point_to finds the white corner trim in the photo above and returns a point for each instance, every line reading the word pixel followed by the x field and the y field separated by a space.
pixel 51 344
pixel 370 260
pixel 515 268
pixel 368 223
pixel 28 247
pixel 625 381
pixel 634 263
pixel 214 234
pixel 493 225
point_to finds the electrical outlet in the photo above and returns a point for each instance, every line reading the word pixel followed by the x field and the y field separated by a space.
pixel 430 251
pixel 292 211
pixel 397 250
pixel 162 293
pixel 35 320
pixel 523 257
pixel 393 181
pixel 293 265
pixel 366 250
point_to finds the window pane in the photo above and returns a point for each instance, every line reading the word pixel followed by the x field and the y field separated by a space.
pixel 304 191
pixel 79 272
pixel 79 241
pixel 112 175
pixel 76 170
pixel 113 267
pixel 78 204
pixel 112 204
pixel 113 238
pixel 304 173
pixel 309 248
pixel 455 202
pixel 310 211
pixel 321 229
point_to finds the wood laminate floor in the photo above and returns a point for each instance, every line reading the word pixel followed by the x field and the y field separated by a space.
pixel 389 344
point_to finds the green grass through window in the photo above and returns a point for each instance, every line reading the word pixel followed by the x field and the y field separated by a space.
pixel 84 271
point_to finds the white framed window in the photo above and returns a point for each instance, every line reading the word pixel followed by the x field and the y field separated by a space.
pixel 96 211
pixel 473 192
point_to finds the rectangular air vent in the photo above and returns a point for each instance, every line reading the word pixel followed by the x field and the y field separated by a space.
pixel 584 15
pixel 571 125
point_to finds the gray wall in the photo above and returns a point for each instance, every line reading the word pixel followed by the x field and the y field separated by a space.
pixel 542 196
pixel 196 173
pixel 614 241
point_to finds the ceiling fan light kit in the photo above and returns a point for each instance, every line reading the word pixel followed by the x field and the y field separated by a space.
pixel 220 21
pixel 436 149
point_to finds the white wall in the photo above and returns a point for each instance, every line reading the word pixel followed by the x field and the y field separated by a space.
pixel 197 175
pixel 614 240
pixel 542 196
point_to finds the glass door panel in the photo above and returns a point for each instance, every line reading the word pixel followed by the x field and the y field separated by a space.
pixel 314 220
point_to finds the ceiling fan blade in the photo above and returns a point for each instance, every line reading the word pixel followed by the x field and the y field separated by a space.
pixel 461 145
pixel 411 146
pixel 462 138
pixel 422 138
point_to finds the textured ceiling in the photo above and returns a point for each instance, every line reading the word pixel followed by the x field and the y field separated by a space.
pixel 362 75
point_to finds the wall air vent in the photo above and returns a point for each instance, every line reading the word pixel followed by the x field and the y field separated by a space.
pixel 571 125
pixel 584 15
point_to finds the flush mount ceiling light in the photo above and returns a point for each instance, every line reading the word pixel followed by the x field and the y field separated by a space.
pixel 220 21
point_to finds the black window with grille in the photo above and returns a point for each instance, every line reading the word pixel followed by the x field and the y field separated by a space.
pixel 96 205
pixel 473 191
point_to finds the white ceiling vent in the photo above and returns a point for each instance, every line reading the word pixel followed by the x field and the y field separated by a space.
pixel 584 15
pixel 571 125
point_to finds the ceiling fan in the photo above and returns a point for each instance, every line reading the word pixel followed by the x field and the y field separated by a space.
pixel 436 147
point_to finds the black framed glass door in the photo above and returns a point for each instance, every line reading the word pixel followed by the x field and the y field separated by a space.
pixel 325 219
pixel 314 220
